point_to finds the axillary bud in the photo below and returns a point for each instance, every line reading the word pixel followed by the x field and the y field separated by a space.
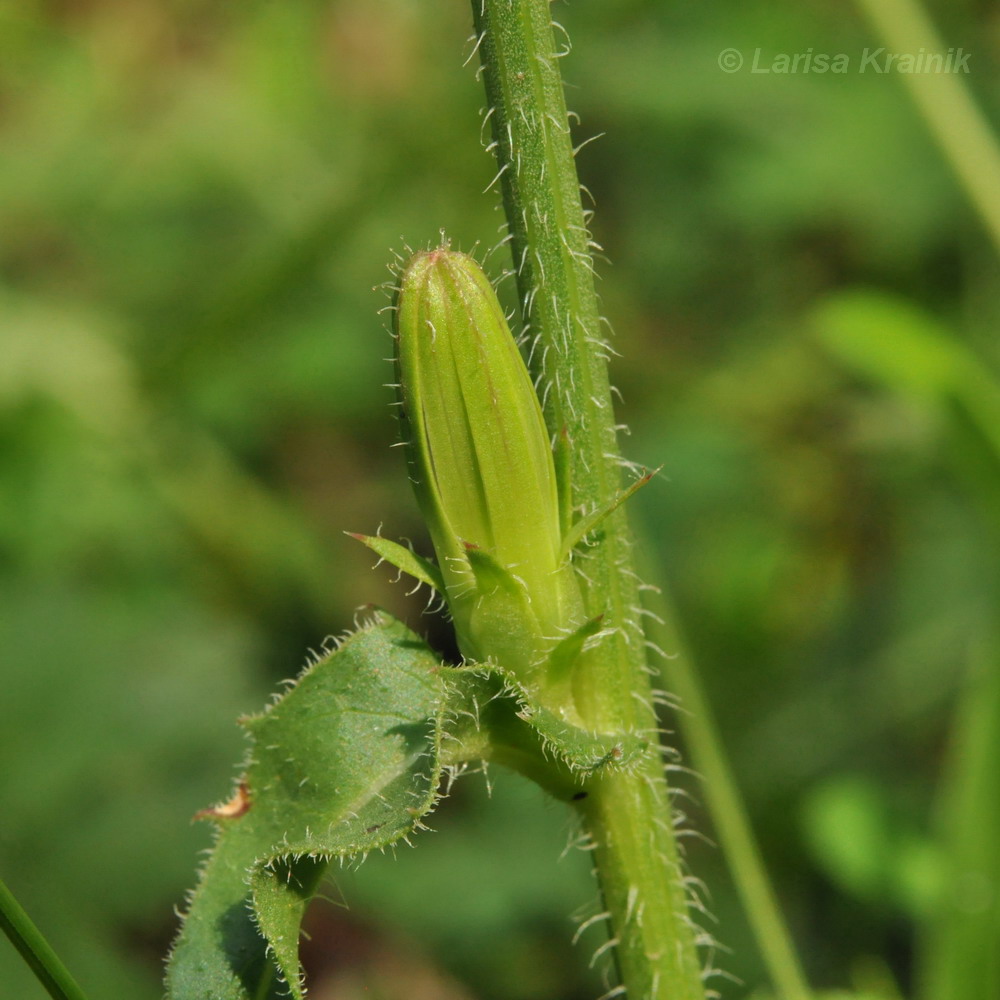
pixel 481 463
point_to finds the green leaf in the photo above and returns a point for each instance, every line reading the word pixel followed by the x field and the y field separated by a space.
pixel 908 351
pixel 281 893
pixel 891 341
pixel 582 752
pixel 346 762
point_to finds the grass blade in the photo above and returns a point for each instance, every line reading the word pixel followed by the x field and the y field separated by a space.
pixel 35 950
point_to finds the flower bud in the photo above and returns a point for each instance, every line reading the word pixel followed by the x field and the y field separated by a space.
pixel 481 463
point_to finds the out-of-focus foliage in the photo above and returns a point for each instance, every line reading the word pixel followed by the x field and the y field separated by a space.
pixel 195 202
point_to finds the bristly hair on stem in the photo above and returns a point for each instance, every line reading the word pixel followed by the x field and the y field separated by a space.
pixel 629 816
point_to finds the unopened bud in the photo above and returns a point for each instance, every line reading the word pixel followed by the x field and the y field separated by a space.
pixel 482 464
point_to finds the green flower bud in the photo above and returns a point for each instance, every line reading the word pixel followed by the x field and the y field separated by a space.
pixel 482 465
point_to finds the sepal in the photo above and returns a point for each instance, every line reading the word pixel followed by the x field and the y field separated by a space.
pixel 592 521
pixel 421 569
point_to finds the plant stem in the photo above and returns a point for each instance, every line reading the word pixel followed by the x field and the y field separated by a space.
pixel 35 950
pixel 629 816
pixel 943 99
pixel 958 955
pixel 729 816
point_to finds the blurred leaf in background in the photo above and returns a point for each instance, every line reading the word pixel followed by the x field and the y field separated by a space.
pixel 196 200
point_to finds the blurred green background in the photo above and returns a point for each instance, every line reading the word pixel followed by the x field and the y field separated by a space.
pixel 196 200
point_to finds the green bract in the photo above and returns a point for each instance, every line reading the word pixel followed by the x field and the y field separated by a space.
pixel 482 466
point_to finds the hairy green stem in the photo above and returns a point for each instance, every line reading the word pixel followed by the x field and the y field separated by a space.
pixel 35 950
pixel 732 824
pixel 628 816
